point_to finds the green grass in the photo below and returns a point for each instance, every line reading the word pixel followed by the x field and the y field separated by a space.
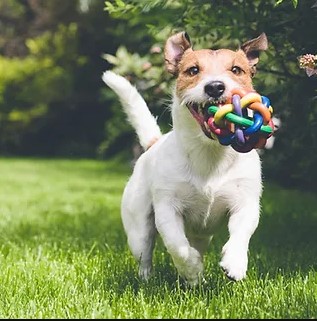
pixel 63 252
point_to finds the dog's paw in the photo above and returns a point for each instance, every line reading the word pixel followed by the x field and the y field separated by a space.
pixel 197 282
pixel 190 266
pixel 145 272
pixel 234 262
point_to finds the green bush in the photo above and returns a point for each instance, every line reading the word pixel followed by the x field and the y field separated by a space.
pixel 30 87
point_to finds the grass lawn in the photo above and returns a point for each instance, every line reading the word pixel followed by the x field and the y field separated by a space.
pixel 63 252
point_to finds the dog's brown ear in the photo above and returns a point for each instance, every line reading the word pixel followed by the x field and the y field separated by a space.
pixel 174 49
pixel 252 49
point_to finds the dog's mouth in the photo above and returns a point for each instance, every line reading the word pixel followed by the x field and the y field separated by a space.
pixel 200 113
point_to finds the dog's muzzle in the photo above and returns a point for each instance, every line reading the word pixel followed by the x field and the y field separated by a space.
pixel 200 113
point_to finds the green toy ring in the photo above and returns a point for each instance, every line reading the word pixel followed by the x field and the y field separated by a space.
pixel 237 120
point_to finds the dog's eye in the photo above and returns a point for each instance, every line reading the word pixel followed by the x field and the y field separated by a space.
pixel 236 70
pixel 192 71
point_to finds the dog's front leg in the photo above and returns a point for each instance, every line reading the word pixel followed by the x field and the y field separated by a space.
pixel 242 224
pixel 170 225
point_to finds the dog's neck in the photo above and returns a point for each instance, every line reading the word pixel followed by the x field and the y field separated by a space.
pixel 197 147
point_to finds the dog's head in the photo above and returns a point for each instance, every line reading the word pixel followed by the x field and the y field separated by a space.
pixel 206 76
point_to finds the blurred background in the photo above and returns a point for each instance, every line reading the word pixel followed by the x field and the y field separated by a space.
pixel 53 53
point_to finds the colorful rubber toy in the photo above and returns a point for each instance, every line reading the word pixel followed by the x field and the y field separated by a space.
pixel 233 124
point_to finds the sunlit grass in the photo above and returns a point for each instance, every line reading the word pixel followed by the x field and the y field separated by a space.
pixel 63 252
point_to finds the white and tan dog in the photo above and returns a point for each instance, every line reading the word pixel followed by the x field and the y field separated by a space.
pixel 186 183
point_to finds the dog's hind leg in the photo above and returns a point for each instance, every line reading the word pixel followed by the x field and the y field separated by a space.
pixel 138 221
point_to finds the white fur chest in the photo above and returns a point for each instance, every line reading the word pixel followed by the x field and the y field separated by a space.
pixel 203 185
pixel 202 207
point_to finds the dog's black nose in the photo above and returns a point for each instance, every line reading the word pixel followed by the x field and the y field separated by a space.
pixel 215 89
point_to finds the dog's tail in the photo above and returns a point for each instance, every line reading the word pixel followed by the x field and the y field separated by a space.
pixel 136 109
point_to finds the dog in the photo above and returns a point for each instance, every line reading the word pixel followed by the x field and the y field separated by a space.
pixel 186 183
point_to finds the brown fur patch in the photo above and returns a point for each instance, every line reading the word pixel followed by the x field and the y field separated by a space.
pixel 213 63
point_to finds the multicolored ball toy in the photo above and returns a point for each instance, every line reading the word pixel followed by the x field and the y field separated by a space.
pixel 244 123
